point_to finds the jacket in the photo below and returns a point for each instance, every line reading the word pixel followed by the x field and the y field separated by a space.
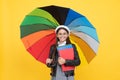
pixel 54 55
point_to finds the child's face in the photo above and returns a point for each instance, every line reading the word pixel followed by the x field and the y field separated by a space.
pixel 62 35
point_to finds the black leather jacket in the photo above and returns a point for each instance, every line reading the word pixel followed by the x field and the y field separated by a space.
pixel 53 65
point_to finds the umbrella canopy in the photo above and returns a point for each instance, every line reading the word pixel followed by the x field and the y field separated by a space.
pixel 37 31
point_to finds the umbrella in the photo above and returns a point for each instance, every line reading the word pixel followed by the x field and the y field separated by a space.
pixel 37 31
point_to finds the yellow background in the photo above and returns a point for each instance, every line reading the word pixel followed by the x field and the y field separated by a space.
pixel 17 64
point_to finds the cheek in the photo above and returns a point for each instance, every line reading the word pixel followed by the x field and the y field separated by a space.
pixel 58 36
pixel 66 36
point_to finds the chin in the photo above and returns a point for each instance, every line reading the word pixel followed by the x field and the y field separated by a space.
pixel 62 41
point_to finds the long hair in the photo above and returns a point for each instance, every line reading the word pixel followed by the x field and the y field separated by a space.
pixel 56 44
pixel 67 40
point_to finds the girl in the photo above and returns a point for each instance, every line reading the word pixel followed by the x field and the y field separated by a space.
pixel 55 62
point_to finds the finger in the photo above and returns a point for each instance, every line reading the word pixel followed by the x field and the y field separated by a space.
pixel 59 57
pixel 50 59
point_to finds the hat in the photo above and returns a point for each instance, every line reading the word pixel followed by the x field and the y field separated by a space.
pixel 62 26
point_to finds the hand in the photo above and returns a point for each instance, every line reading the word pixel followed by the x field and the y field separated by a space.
pixel 61 60
pixel 48 60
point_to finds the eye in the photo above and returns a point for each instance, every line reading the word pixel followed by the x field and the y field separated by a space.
pixel 59 33
pixel 64 33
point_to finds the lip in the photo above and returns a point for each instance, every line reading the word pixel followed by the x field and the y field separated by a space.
pixel 62 38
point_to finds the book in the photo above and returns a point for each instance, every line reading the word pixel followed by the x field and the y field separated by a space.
pixel 66 52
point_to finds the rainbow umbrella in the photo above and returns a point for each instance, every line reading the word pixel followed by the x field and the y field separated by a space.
pixel 37 31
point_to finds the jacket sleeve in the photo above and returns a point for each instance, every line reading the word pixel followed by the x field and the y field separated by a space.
pixel 76 60
pixel 51 51
pixel 50 56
